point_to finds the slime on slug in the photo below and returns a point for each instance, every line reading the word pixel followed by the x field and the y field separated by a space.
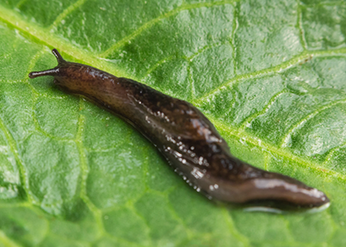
pixel 186 138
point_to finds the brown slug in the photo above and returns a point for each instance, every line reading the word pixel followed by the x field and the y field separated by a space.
pixel 185 137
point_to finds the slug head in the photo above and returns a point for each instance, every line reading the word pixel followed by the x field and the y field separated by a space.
pixel 53 72
pixel 71 77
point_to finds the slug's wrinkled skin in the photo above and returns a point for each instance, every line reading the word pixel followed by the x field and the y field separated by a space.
pixel 185 137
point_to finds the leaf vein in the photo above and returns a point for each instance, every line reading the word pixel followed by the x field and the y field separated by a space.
pixel 14 151
pixel 66 12
pixel 300 26
pixel 265 108
pixel 150 23
pixel 272 70
pixel 229 221
pixel 298 125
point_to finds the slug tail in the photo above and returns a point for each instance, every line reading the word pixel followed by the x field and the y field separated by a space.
pixel 58 56
pixel 51 72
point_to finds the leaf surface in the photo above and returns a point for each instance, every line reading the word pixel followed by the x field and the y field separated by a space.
pixel 270 75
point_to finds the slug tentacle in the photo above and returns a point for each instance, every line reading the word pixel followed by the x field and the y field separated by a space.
pixel 185 137
pixel 58 57
pixel 52 72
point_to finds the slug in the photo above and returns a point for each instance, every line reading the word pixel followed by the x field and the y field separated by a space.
pixel 184 136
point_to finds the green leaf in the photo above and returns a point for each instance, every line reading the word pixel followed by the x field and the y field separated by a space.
pixel 270 74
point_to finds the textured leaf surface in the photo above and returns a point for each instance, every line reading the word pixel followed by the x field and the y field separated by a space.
pixel 271 76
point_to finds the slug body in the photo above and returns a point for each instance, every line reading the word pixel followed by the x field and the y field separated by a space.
pixel 185 137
